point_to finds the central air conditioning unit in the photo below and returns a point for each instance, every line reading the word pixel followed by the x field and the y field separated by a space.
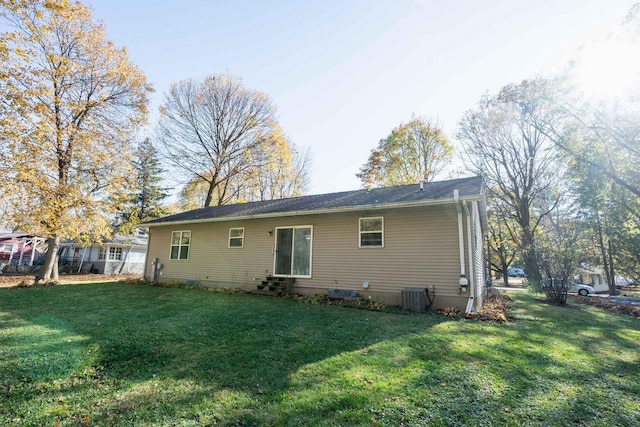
pixel 414 299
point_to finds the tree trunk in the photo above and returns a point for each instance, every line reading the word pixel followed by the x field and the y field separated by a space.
pixel 505 276
pixel 530 257
pixel 611 276
pixel 50 268
pixel 503 265
pixel 207 201
pixel 213 183
pixel 607 259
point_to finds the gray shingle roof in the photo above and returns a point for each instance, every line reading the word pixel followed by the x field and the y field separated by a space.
pixel 115 240
pixel 348 200
pixel 131 240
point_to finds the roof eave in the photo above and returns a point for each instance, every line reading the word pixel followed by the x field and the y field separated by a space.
pixel 319 211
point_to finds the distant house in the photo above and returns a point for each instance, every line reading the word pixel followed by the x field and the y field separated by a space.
pixel 595 277
pixel 21 248
pixel 118 255
pixel 375 242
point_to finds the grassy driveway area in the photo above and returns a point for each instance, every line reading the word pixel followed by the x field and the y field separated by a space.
pixel 117 354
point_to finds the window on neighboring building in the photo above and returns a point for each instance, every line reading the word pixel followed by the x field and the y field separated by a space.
pixel 115 254
pixel 111 254
pixel 180 242
pixel 372 232
pixel 236 237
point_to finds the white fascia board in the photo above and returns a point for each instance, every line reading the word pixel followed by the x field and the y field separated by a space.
pixel 123 245
pixel 320 211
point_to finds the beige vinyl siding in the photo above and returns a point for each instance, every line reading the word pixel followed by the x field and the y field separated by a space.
pixel 420 249
pixel 210 258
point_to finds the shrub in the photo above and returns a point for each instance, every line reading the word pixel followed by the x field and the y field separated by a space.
pixel 10 268
pixel 68 269
pixel 555 290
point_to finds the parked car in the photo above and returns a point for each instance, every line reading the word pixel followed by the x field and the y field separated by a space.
pixel 516 272
pixel 584 290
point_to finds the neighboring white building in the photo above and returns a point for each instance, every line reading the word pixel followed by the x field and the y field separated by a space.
pixel 118 255
pixel 594 276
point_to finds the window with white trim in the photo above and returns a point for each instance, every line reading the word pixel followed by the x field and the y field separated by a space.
pixel 115 254
pixel 372 232
pixel 236 237
pixel 110 254
pixel 180 243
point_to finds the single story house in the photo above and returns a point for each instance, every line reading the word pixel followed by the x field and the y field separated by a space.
pixel 375 242
pixel 116 255
pixel 595 277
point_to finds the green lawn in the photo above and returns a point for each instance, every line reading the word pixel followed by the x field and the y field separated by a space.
pixel 116 354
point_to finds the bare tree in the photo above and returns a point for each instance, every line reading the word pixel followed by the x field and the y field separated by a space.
pixel 501 240
pixel 563 243
pixel 211 129
pixel 603 131
pixel 602 137
pixel 505 142
pixel 277 169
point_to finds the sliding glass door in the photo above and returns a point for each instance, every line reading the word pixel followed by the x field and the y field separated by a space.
pixel 293 251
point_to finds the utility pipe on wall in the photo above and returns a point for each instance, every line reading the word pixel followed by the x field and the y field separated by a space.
pixel 463 276
pixel 471 261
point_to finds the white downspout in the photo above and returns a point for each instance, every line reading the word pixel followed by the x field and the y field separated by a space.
pixel 472 290
pixel 463 276
pixel 146 259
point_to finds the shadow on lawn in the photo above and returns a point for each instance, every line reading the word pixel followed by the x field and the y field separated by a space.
pixel 568 369
pixel 159 354
pixel 171 356
pixel 560 371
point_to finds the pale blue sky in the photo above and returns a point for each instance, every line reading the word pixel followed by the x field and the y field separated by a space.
pixel 344 73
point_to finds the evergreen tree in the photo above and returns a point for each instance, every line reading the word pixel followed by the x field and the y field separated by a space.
pixel 145 203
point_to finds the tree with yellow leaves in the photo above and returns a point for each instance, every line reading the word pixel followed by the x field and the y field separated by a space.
pixel 413 152
pixel 69 104
pixel 280 170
